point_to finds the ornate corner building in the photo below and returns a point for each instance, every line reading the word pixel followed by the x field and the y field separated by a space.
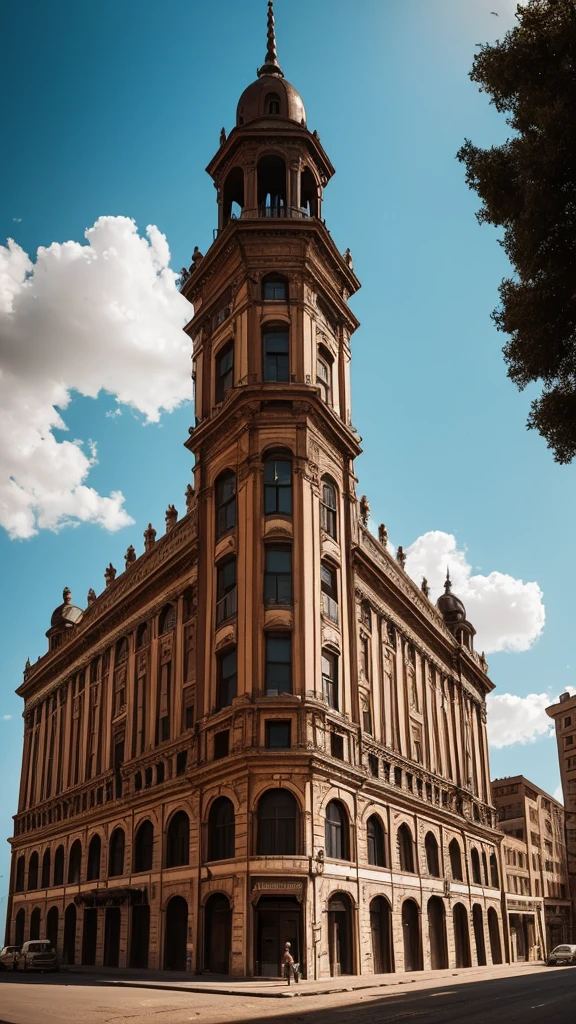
pixel 563 714
pixel 262 730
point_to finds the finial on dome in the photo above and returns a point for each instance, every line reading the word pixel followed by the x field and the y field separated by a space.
pixel 447 582
pixel 67 595
pixel 271 65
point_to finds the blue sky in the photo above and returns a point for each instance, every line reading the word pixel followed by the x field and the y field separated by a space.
pixel 115 110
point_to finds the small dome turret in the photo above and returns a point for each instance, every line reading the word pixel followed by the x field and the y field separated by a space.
pixel 64 617
pixel 453 612
pixel 270 95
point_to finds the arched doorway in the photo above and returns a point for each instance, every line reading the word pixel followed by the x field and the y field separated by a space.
pixel 411 936
pixel 112 937
pixel 381 932
pixel 52 927
pixel 19 926
pixel 69 934
pixel 494 933
pixel 35 924
pixel 176 934
pixel 340 934
pixel 437 933
pixel 89 935
pixel 140 936
pixel 217 927
pixel 278 920
pixel 461 936
pixel 478 925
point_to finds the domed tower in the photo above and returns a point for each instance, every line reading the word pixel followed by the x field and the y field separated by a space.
pixel 273 441
pixel 64 618
pixel 454 614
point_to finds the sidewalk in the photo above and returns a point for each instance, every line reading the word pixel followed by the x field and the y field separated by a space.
pixel 278 989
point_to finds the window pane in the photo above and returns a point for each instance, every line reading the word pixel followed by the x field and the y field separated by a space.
pixel 278 735
pixel 276 342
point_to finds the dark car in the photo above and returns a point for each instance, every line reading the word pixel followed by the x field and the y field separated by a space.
pixel 561 955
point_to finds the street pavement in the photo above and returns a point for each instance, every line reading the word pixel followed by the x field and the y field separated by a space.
pixel 521 994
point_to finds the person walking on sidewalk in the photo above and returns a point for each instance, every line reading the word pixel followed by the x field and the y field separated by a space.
pixel 290 968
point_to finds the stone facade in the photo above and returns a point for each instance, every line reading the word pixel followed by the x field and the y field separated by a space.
pixel 563 715
pixel 262 730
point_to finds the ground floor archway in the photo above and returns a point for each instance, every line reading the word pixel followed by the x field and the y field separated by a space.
pixel 411 936
pixel 140 936
pixel 69 945
pixel 381 934
pixel 340 934
pixel 217 932
pixel 461 935
pixel 52 927
pixel 89 935
pixel 112 937
pixel 176 934
pixel 494 935
pixel 437 933
pixel 19 925
pixel 35 924
pixel 478 925
pixel 278 920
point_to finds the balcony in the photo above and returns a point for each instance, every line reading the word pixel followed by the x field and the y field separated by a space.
pixel 226 607
pixel 330 608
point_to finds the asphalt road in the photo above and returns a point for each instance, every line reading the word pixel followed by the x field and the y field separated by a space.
pixel 543 995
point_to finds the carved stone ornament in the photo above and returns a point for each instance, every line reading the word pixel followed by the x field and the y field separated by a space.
pixel 364 510
pixel 110 574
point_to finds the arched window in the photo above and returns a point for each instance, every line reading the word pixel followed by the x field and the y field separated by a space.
pixel 74 862
pixel 494 877
pixel 271 172
pixel 275 288
pixel 278 575
pixel 178 840
pixel 20 870
pixel 142 635
pixel 277 486
pixel 121 651
pixel 405 849
pixel 475 859
pixel 224 371
pixel 455 859
pixel 337 830
pixel 144 846
pixel 33 871
pixel 116 853
pixel 330 677
pixel 329 588
pixel 277 819
pixel 225 491
pixel 276 355
pixel 45 883
pixel 375 836
pixel 278 668
pixel 221 831
pixel 484 868
pixel 225 590
pixel 233 195
pixel 167 619
pixel 93 863
pixel 432 858
pixel 308 193
pixel 272 103
pixel 324 363
pixel 59 866
pixel 328 508
pixel 226 680
pixel 35 923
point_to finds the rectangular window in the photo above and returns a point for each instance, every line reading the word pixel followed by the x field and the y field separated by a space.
pixel 337 745
pixel 324 378
pixel 276 357
pixel 330 678
pixel 366 717
pixel 328 509
pixel 278 665
pixel 225 503
pixel 373 765
pixel 278 576
pixel 277 487
pixel 225 590
pixel 227 678
pixel 569 741
pixel 224 371
pixel 181 760
pixel 567 722
pixel 221 744
pixel 275 288
pixel 278 735
pixel 189 717
pixel 328 586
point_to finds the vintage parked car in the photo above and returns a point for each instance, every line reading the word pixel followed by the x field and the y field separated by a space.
pixel 9 958
pixel 561 955
pixel 38 955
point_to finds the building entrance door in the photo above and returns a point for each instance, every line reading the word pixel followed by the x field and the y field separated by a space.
pixel 89 933
pixel 340 935
pixel 278 921
pixel 112 937
pixel 140 938
pixel 217 918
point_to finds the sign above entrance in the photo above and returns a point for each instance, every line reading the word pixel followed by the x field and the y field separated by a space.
pixel 277 887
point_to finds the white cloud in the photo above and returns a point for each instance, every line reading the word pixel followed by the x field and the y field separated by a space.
pixel 507 613
pixel 513 719
pixel 6 718
pixel 102 316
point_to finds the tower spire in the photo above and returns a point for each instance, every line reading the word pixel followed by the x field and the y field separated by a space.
pixel 271 65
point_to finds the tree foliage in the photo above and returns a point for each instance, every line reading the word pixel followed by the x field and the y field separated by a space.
pixel 528 188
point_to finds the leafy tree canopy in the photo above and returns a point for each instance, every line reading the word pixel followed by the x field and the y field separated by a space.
pixel 528 187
